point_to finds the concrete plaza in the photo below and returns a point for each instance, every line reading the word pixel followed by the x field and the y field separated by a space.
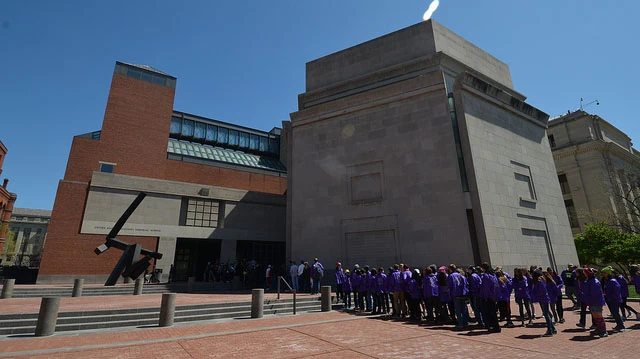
pixel 318 335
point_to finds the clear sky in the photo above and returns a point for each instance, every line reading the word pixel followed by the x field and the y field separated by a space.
pixel 243 61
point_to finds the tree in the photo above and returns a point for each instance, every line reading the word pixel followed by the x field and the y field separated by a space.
pixel 602 245
pixel 9 249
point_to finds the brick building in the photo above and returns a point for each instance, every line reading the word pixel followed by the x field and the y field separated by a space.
pixel 215 191
pixel 7 200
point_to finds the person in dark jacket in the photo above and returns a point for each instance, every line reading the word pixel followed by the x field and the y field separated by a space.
pixel 522 293
pixel 559 285
pixel 356 280
pixel 475 282
pixel 339 276
pixel 459 289
pixel 505 286
pixel 593 297
pixel 430 294
pixel 613 297
pixel 347 288
pixel 624 287
pixel 539 294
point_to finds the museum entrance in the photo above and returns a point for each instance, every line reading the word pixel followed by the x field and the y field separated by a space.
pixel 192 256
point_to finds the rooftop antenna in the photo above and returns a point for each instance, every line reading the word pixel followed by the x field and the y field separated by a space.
pixel 582 106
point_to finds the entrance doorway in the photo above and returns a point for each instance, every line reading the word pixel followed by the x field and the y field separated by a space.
pixel 192 256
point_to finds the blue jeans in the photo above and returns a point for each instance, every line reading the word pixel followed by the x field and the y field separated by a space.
pixel 316 286
pixel 614 308
pixel 294 282
pixel 547 316
pixel 462 313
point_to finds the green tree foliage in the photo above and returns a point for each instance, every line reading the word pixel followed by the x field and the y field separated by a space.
pixel 602 245
pixel 9 248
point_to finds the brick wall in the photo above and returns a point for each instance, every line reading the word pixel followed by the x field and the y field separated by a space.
pixel 134 136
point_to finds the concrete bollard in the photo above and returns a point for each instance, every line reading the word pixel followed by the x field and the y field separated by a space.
pixel 257 303
pixel 191 284
pixel 7 288
pixel 77 287
pixel 48 316
pixel 325 298
pixel 139 285
pixel 167 309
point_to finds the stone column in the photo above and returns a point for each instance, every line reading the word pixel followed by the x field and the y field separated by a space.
pixel 139 285
pixel 77 287
pixel 167 309
pixel 48 316
pixel 257 303
pixel 7 288
pixel 325 298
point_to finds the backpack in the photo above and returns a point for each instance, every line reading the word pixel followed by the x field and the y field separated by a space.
pixel 319 272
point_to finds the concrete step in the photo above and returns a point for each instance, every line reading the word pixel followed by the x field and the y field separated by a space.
pixel 100 319
pixel 39 292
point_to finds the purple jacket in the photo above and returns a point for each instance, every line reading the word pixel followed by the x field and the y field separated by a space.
pixel 592 292
pixel 521 288
pixel 398 281
pixel 539 292
pixel 406 277
pixel 504 290
pixel 346 285
pixel 475 282
pixel 367 282
pixel 381 283
pixel 356 280
pixel 430 286
pixel 413 289
pixel 444 293
pixel 579 286
pixel 613 291
pixel 553 291
pixel 373 283
pixel 489 287
pixel 457 285
pixel 624 286
pixel 340 277
pixel 559 282
pixel 390 283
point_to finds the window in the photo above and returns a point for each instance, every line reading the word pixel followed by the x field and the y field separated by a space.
pixel 187 128
pixel 274 145
pixel 39 231
pixel 244 140
pixel 212 134
pixel 527 187
pixel 564 184
pixel 552 141
pixel 200 131
pixel 233 138
pixel 223 136
pixel 107 167
pixel 202 213
pixel 254 142
pixel 176 125
pixel 25 235
pixel 571 213
pixel 264 144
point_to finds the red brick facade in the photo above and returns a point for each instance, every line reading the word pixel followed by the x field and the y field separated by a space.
pixel 7 199
pixel 134 136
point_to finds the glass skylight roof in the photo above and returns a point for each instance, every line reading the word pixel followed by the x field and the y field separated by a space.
pixel 220 155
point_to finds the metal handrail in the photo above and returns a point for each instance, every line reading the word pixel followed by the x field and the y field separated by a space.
pixel 280 278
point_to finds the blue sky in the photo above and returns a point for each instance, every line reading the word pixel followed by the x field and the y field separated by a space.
pixel 243 61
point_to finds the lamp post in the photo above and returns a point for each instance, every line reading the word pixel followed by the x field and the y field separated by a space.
pixel 587 104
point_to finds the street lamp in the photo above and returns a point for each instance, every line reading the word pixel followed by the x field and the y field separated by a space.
pixel 582 106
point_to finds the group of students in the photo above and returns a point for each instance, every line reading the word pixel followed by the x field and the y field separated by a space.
pixel 443 294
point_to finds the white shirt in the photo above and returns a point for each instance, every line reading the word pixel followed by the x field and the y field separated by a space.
pixel 300 270
pixel 268 271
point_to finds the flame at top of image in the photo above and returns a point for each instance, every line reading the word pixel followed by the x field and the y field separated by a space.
pixel 430 10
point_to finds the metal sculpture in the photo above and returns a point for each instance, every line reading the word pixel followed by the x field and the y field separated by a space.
pixel 128 266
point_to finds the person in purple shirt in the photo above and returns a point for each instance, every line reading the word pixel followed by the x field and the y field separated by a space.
pixel 552 291
pixel 363 288
pixel 406 276
pixel 489 294
pixel 521 288
pixel 540 294
pixel 317 273
pixel 593 297
pixel 635 278
pixel 505 287
pixel 398 290
pixel 430 294
pixel 356 280
pixel 339 276
pixel 624 287
pixel 557 280
pixel 413 288
pixel 458 287
pixel 475 282
pixel 373 289
pixel 389 285
pixel 347 288
pixel 613 296
pixel 381 289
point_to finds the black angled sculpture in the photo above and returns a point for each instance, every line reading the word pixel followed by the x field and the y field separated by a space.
pixel 128 266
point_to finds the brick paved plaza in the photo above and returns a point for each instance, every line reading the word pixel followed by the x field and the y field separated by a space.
pixel 317 335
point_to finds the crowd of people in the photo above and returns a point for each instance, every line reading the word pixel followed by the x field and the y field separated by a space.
pixel 444 294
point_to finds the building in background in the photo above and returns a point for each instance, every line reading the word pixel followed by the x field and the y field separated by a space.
pixel 598 170
pixel 414 147
pixel 29 229
pixel 215 190
pixel 7 200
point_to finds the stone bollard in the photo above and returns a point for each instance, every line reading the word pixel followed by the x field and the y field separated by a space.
pixel 167 309
pixel 77 287
pixel 139 285
pixel 191 284
pixel 325 298
pixel 48 316
pixel 7 288
pixel 257 303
